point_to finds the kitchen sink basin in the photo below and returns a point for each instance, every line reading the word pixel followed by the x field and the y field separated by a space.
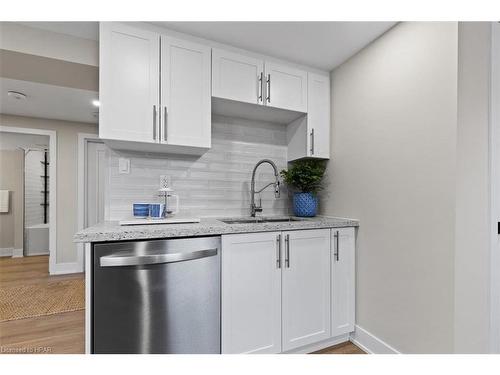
pixel 259 220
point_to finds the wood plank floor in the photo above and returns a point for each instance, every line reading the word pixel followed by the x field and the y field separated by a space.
pixel 58 333
pixel 344 348
pixel 61 333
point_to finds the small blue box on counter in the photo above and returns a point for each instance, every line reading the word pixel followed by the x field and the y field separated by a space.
pixel 141 209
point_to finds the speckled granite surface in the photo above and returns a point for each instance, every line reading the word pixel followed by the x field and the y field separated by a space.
pixel 112 231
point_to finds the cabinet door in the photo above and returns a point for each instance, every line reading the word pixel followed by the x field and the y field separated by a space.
pixel 251 293
pixel 286 87
pixel 237 77
pixel 318 116
pixel 128 83
pixel 185 90
pixel 343 280
pixel 306 287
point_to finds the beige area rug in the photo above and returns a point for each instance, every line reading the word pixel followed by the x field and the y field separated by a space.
pixel 27 301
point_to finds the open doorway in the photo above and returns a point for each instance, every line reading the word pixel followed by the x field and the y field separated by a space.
pixel 27 219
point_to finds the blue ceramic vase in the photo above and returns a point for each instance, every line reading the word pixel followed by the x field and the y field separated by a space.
pixel 305 204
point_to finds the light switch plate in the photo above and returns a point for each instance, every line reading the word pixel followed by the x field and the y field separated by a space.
pixel 123 166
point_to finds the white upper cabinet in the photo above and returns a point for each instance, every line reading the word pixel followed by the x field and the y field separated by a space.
pixel 237 77
pixel 285 87
pixel 158 93
pixel 251 293
pixel 343 280
pixel 306 287
pixel 185 93
pixel 246 79
pixel 318 116
pixel 309 136
pixel 128 83
pixel 141 112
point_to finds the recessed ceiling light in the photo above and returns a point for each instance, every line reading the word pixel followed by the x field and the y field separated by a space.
pixel 16 95
pixel 96 103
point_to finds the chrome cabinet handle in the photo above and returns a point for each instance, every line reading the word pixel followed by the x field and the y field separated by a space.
pixel 165 124
pixel 278 251
pixel 154 122
pixel 268 93
pixel 287 251
pixel 312 141
pixel 337 249
pixel 259 88
pixel 128 259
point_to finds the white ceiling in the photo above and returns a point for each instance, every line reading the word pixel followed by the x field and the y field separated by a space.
pixel 48 101
pixel 323 45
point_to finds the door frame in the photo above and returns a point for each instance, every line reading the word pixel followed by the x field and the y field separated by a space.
pixel 52 134
pixel 83 140
pixel 494 188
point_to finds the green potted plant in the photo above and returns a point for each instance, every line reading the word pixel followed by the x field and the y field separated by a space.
pixel 305 177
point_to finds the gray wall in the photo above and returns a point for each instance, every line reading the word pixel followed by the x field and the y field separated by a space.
pixel 11 178
pixel 67 154
pixel 472 255
pixel 393 161
pixel 215 184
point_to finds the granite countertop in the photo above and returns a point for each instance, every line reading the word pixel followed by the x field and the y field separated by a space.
pixel 112 231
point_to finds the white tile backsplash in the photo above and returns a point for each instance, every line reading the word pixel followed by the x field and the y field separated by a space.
pixel 214 184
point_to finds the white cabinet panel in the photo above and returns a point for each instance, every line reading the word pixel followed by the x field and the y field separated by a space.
pixel 318 116
pixel 236 77
pixel 128 83
pixel 343 280
pixel 185 93
pixel 251 293
pixel 306 288
pixel 286 87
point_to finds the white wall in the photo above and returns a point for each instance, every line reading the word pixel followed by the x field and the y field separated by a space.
pixel 472 253
pixel 393 142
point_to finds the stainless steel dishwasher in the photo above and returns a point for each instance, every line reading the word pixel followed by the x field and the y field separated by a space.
pixel 160 296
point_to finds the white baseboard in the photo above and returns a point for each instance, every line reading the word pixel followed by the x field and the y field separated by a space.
pixel 37 253
pixel 6 251
pixel 17 253
pixel 319 345
pixel 63 268
pixel 370 343
pixel 11 252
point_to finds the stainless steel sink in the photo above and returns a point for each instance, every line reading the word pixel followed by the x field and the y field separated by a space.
pixel 259 220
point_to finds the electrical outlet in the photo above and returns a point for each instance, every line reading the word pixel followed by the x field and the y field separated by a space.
pixel 165 181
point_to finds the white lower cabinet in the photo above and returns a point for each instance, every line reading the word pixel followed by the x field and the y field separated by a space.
pixel 306 288
pixel 251 293
pixel 343 280
pixel 276 292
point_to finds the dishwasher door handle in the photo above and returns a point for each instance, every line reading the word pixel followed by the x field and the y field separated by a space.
pixel 144 260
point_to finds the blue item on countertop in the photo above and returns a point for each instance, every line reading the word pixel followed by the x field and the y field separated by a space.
pixel 305 204
pixel 157 210
pixel 141 209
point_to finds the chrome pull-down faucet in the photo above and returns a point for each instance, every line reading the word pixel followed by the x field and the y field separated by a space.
pixel 253 207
